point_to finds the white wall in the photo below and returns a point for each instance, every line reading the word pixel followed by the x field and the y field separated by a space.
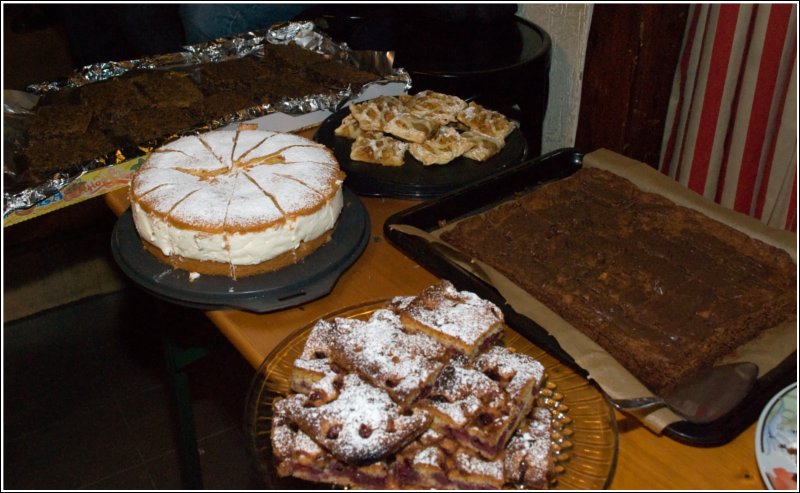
pixel 568 26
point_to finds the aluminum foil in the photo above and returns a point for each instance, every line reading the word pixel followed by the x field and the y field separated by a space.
pixel 18 195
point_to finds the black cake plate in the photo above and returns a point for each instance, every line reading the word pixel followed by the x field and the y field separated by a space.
pixel 414 180
pixel 311 278
pixel 488 192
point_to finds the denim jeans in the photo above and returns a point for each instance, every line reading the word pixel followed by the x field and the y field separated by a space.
pixel 205 22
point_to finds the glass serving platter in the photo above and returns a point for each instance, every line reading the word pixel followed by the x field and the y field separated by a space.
pixel 588 443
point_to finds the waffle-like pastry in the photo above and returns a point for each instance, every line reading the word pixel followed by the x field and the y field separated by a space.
pixel 377 148
pixel 411 128
pixel 296 454
pixel 529 455
pixel 432 105
pixel 486 121
pixel 373 114
pixel 349 128
pixel 403 365
pixel 481 405
pixel 361 425
pixel 460 320
pixel 442 148
pixel 483 148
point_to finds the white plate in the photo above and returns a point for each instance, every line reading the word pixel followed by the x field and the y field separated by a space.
pixel 776 441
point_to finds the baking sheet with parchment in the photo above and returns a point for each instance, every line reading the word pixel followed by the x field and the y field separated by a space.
pixel 767 350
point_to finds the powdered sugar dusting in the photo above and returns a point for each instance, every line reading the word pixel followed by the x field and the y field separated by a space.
pixel 268 208
pixel 164 198
pixel 527 460
pixel 255 146
pixel 318 342
pixel 248 141
pixel 205 208
pixel 519 369
pixel 354 427
pixel 474 425
pixel 250 207
pixel 431 456
pixel 458 314
pixel 220 145
pixel 292 197
pixel 388 357
pixel 478 466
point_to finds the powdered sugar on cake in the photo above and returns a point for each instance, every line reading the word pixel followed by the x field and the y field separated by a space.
pixel 459 317
pixel 241 197
pixel 403 364
pixel 362 424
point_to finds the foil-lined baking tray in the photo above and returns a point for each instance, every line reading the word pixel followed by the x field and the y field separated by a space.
pixel 19 106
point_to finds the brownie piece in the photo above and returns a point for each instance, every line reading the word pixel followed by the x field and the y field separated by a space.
pixel 664 289
pixel 61 120
pixel 45 157
pixel 338 76
pixel 114 95
pixel 230 75
pixel 167 88
pixel 290 56
pixel 147 124
pixel 218 106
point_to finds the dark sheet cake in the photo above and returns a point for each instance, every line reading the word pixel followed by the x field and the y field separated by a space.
pixel 142 106
pixel 663 288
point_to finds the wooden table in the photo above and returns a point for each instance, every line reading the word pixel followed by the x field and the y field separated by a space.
pixel 646 461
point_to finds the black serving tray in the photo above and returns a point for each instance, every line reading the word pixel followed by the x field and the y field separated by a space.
pixel 488 192
pixel 413 180
pixel 311 278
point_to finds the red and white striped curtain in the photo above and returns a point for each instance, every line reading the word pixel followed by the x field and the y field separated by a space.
pixel 731 129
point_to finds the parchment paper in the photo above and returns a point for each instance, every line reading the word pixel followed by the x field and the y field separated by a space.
pixel 767 351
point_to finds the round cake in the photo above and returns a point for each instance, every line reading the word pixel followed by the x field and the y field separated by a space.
pixel 236 203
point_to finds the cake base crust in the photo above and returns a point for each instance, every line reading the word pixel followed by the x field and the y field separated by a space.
pixel 210 268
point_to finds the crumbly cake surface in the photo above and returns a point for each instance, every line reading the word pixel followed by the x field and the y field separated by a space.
pixel 236 198
pixel 664 289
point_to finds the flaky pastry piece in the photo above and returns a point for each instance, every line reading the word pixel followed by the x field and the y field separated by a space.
pixel 411 128
pixel 297 455
pixel 442 148
pixel 460 320
pixel 382 353
pixel 485 121
pixel 361 425
pixel 380 149
pixel 484 147
pixel 373 114
pixel 349 128
pixel 435 106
